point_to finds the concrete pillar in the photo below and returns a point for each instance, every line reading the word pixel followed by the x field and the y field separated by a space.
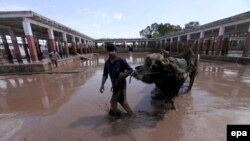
pixel 138 44
pixel 103 45
pixel 188 42
pixel 15 45
pixel 38 47
pixel 74 44
pixel 208 44
pixel 81 45
pixel 77 45
pixel 96 46
pixel 163 42
pixel 86 46
pixel 57 45
pixel 166 43
pixel 6 47
pixel 200 43
pixel 125 44
pixel 114 43
pixel 219 38
pixel 178 43
pixel 25 47
pixel 52 43
pixel 93 46
pixel 60 48
pixel 66 48
pixel 171 44
pixel 246 51
pixel 195 46
pixel 212 47
pixel 30 40
pixel 188 37
pixel 156 44
pixel 146 44
pixel 90 47
pixel 225 45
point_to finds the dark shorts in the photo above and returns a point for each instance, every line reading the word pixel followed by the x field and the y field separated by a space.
pixel 119 95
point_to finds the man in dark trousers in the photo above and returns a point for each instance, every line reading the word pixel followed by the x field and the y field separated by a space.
pixel 118 69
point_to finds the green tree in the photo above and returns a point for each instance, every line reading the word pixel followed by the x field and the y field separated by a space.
pixel 157 30
pixel 191 25
pixel 149 31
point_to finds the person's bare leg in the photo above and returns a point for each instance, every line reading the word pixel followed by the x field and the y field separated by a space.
pixel 113 102
pixel 127 108
pixel 125 104
pixel 114 107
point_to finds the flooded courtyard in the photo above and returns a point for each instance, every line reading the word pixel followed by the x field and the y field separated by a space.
pixel 69 107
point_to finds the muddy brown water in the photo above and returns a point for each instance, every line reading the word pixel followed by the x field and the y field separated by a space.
pixel 69 107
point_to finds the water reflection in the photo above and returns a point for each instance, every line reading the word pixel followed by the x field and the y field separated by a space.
pixel 220 96
pixel 38 93
pixel 41 92
pixel 227 77
pixel 82 116
pixel 3 84
pixel 131 58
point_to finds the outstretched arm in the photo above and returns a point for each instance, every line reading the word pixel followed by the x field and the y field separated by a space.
pixel 104 78
pixel 128 69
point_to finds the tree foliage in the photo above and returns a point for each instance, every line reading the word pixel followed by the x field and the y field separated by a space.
pixel 191 25
pixel 157 30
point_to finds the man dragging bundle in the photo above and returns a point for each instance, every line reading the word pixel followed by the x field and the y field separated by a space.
pixel 118 69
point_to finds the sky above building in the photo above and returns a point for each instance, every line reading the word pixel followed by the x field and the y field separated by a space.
pixel 125 18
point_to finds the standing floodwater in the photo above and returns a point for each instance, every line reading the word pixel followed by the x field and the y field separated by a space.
pixel 69 107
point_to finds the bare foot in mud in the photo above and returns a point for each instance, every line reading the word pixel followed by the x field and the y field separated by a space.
pixel 119 115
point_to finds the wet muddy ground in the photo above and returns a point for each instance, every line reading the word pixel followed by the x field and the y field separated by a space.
pixel 69 107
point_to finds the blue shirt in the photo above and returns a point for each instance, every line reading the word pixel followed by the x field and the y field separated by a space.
pixel 114 69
